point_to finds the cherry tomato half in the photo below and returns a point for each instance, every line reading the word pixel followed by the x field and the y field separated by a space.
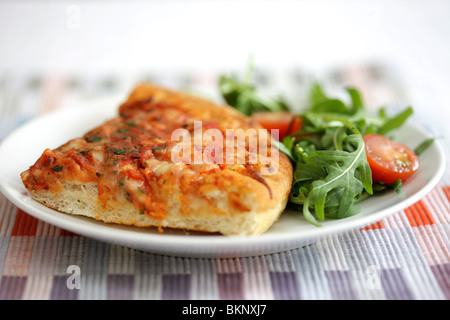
pixel 286 122
pixel 389 160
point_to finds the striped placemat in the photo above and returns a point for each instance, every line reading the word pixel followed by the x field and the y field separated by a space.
pixel 404 256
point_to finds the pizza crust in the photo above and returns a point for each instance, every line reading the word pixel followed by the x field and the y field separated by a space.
pixel 230 201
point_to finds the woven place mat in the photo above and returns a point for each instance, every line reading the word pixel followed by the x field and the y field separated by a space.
pixel 404 256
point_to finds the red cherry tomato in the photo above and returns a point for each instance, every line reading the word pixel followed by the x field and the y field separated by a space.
pixel 389 160
pixel 286 122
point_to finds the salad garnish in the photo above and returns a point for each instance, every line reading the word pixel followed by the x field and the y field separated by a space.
pixel 336 165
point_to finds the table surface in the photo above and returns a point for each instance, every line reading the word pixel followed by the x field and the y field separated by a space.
pixel 404 256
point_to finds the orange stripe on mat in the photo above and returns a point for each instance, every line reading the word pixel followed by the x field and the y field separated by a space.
pixel 447 192
pixel 419 215
pixel 24 225
pixel 378 225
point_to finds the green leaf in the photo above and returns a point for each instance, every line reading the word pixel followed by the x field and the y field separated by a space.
pixel 308 215
pixel 397 185
pixel 330 106
pixel 395 122
pixel 381 187
pixel 321 103
pixel 287 150
pixel 333 138
pixel 229 88
pixel 243 96
pixel 316 94
pixel 331 171
pixel 341 167
pixel 423 146
pixel 305 172
pixel 357 103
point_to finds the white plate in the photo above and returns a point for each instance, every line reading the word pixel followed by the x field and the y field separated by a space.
pixel 23 147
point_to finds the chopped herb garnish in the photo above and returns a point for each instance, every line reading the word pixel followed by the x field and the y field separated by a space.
pixel 123 130
pixel 141 190
pixel 131 124
pixel 85 152
pixel 159 148
pixel 118 150
pixel 57 168
pixel 94 138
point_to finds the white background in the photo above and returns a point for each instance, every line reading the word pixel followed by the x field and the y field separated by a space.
pixel 127 36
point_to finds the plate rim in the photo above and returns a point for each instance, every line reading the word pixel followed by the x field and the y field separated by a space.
pixel 217 245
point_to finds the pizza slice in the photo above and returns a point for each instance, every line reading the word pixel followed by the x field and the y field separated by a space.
pixel 168 160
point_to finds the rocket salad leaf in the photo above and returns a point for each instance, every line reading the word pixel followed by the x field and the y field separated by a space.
pixel 243 95
pixel 337 175
pixel 331 171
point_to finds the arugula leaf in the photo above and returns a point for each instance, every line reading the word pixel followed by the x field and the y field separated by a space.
pixel 330 105
pixel 316 94
pixel 320 102
pixel 243 95
pixel 341 167
pixel 357 103
pixel 423 146
pixel 395 122
pixel 285 147
pixel 380 187
pixel 334 170
pixel 332 173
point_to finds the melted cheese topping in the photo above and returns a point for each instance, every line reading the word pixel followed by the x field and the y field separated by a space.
pixel 129 157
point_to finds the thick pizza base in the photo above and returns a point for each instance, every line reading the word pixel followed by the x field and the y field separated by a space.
pixel 82 200
pixel 96 182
